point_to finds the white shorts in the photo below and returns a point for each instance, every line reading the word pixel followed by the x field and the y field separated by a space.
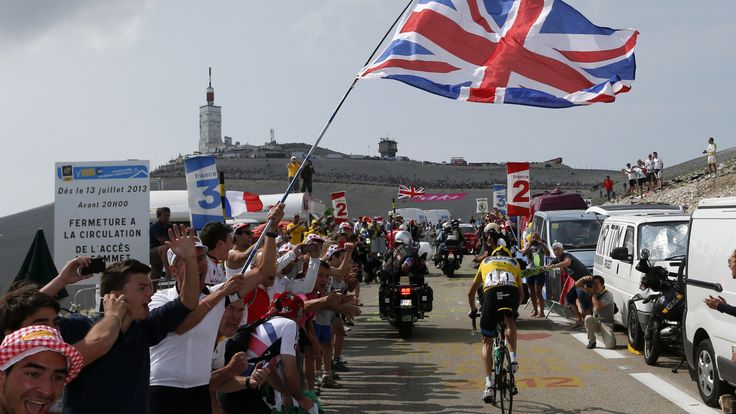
pixel 711 159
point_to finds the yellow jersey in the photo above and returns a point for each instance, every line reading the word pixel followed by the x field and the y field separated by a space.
pixel 296 232
pixel 498 271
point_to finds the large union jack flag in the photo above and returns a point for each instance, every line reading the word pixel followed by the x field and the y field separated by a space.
pixel 528 52
pixel 407 192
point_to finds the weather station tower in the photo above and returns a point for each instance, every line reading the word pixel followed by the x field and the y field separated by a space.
pixel 210 124
pixel 388 148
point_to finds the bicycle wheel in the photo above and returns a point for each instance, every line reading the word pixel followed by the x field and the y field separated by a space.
pixel 507 383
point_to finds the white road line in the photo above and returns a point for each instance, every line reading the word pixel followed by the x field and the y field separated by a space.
pixel 670 392
pixel 605 353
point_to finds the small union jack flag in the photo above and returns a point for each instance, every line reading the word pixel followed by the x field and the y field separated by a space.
pixel 409 192
pixel 526 52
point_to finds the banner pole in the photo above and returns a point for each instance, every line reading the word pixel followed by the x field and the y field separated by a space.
pixel 319 138
pixel 222 195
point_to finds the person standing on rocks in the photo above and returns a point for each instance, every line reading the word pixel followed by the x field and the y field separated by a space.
pixel 658 167
pixel 608 186
pixel 711 151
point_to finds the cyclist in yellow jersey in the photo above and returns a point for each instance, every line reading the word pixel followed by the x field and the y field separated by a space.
pixel 500 278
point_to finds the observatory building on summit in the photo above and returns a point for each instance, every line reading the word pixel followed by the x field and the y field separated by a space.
pixel 210 124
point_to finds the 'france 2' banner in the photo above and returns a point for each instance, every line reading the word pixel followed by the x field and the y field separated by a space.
pixel 205 203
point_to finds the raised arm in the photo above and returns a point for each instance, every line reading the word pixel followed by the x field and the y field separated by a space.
pixel 100 339
pixel 181 242
pixel 68 276
pixel 267 265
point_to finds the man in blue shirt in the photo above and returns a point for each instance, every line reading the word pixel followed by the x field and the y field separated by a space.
pixel 126 367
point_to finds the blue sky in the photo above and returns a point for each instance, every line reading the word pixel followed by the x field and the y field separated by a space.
pixel 98 80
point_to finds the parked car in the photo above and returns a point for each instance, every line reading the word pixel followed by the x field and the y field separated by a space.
pixel 471 238
pixel 620 243
pixel 575 229
pixel 710 335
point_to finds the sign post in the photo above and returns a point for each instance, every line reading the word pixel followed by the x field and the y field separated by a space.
pixel 101 210
pixel 481 205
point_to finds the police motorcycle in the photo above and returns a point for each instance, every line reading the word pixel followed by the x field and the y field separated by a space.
pixel 449 255
pixel 404 297
pixel 667 293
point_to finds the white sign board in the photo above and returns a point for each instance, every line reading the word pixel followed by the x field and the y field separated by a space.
pixel 101 210
pixel 340 205
pixel 481 205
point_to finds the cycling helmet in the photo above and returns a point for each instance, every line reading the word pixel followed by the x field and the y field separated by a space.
pixel 403 227
pixel 403 237
pixel 425 249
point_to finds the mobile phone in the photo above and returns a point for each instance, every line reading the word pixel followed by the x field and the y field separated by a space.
pixel 96 265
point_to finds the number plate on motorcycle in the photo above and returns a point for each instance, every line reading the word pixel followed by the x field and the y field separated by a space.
pixel 406 318
pixel 406 302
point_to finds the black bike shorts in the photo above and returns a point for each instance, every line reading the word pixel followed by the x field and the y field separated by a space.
pixel 497 302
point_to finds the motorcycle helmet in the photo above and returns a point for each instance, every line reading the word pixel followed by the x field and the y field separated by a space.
pixel 402 237
pixel 446 226
pixel 425 249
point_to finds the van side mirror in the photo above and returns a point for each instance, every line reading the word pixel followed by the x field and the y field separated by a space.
pixel 621 253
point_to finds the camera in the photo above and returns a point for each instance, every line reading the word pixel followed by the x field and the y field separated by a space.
pixel 588 284
pixel 96 265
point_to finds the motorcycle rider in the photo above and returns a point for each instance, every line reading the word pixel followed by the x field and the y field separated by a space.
pixel 500 277
pixel 450 237
pixel 406 259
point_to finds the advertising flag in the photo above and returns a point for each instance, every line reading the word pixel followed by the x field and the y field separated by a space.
pixel 340 205
pixel 499 197
pixel 517 176
pixel 205 202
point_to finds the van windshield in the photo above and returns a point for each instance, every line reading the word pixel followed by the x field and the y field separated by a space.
pixel 665 241
pixel 575 234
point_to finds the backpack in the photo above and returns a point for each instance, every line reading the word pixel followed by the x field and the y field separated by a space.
pixel 239 343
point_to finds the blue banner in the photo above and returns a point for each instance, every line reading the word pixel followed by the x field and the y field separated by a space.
pixel 203 190
pixel 70 172
pixel 499 197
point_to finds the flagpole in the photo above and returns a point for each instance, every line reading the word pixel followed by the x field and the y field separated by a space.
pixel 319 138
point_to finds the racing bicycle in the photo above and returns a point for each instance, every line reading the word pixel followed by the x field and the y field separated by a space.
pixel 504 388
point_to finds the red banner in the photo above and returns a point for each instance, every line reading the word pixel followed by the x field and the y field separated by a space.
pixel 340 204
pixel 517 188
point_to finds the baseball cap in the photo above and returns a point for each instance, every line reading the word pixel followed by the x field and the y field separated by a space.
pixel 333 250
pixel 39 338
pixel 171 256
pixel 311 238
pixel 242 228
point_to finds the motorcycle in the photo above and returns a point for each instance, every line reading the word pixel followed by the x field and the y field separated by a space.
pixel 449 260
pixel 665 326
pixel 403 304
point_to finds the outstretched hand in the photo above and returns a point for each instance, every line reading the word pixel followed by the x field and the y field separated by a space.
pixel 181 242
pixel 714 302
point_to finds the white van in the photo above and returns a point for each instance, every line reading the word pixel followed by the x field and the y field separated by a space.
pixel 620 243
pixel 710 336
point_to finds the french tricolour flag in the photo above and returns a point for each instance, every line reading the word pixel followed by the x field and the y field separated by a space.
pixel 239 202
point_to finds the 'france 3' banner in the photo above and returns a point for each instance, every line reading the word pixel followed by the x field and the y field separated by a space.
pixel 499 197
pixel 205 203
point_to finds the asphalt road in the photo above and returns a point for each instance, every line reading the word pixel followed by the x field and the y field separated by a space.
pixel 439 370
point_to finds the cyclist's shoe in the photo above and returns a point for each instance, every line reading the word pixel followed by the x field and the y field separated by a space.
pixel 514 366
pixel 488 396
pixel 591 345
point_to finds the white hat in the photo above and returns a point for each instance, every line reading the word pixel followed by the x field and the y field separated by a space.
pixel 171 256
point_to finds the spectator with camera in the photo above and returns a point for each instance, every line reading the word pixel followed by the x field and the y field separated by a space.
pixel 601 321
